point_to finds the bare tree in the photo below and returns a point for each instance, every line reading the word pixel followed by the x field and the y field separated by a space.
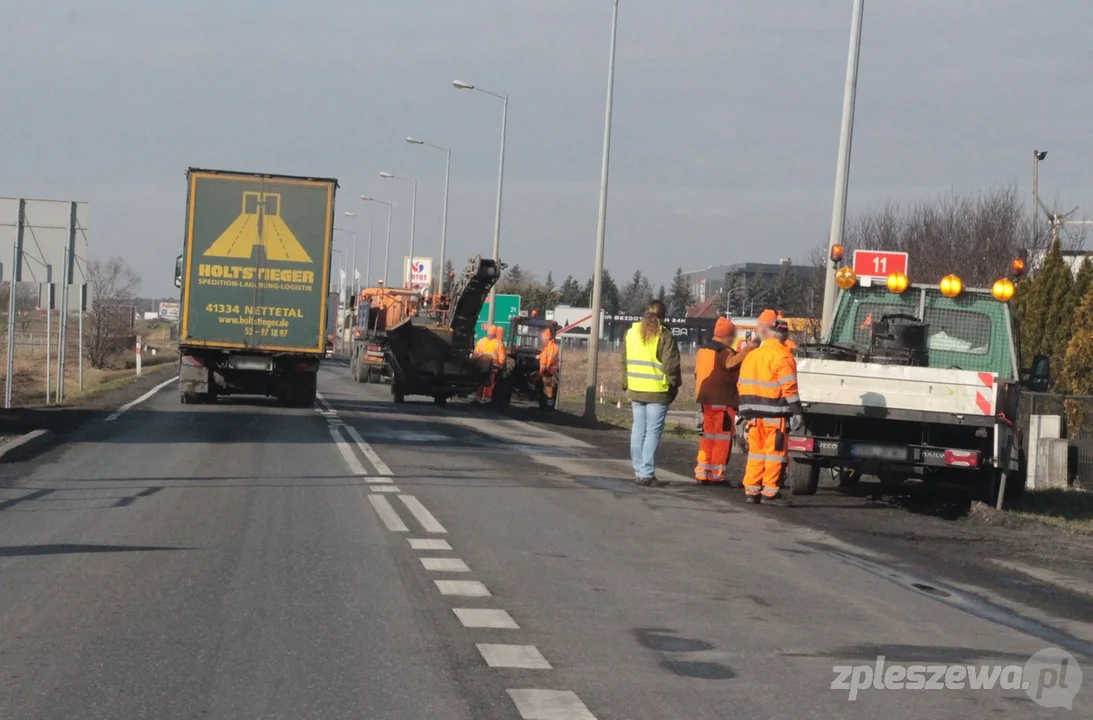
pixel 972 235
pixel 111 285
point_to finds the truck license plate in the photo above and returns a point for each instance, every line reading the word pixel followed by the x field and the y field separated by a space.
pixel 879 452
pixel 250 362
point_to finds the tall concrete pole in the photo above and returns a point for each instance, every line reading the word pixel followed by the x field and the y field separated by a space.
pixel 601 231
pixel 842 171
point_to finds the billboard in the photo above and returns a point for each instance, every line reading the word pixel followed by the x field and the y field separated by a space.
pixel 417 275
pixel 45 237
pixel 169 310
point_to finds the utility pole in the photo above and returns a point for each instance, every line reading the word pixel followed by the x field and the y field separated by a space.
pixel 842 171
pixel 601 232
pixel 1037 156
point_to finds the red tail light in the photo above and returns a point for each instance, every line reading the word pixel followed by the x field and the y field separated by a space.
pixel 191 361
pixel 962 458
pixel 801 444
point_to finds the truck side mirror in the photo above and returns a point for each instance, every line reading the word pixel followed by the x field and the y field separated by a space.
pixel 1040 374
pixel 178 271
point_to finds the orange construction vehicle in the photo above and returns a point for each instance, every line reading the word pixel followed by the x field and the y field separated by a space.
pixel 377 309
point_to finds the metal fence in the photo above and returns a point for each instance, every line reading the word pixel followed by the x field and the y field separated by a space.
pixel 1076 412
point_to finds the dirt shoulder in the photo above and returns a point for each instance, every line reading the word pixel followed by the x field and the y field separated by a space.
pixel 935 532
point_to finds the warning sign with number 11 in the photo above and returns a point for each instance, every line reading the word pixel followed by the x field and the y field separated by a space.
pixel 879 263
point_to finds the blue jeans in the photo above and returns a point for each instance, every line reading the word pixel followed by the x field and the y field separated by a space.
pixel 645 435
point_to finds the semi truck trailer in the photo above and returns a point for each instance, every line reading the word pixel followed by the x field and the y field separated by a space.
pixel 254 274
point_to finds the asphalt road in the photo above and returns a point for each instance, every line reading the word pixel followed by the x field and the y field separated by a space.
pixel 368 560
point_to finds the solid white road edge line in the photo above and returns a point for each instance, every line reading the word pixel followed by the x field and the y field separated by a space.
pixel 387 513
pixel 380 465
pixel 118 413
pixel 423 516
pixel 552 704
pixel 346 450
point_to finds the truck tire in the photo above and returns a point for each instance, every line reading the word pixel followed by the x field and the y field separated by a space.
pixel 398 396
pixel 804 478
pixel 188 398
pixel 366 374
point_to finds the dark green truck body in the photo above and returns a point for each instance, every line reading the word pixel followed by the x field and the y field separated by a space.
pixel 254 275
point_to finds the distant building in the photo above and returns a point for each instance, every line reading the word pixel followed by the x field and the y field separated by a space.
pixel 751 284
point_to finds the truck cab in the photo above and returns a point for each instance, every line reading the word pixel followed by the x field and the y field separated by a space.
pixel 376 309
pixel 917 382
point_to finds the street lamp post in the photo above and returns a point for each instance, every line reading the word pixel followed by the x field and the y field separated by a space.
pixel 413 218
pixel 1037 156
pixel 343 254
pixel 353 257
pixel 601 231
pixel 387 247
pixel 460 85
pixel 440 273
pixel 842 171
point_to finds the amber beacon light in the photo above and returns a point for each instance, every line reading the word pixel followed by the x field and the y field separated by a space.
pixel 837 253
pixel 951 286
pixel 897 283
pixel 1003 290
pixel 845 278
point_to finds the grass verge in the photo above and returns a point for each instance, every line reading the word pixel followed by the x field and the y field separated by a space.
pixel 1069 509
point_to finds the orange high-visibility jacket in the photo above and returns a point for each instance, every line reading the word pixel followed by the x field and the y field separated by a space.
pixel 548 358
pixel 717 368
pixel 500 352
pixel 768 382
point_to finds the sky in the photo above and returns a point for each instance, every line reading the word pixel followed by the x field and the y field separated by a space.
pixel 725 133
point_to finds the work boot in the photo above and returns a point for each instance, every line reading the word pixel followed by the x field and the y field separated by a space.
pixel 655 482
pixel 644 482
pixel 752 499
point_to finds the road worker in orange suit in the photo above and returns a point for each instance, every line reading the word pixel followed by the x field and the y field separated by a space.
pixel 485 348
pixel 717 368
pixel 781 331
pixel 769 400
pixel 548 363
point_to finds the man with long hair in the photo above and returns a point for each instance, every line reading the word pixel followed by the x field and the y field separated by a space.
pixel 651 377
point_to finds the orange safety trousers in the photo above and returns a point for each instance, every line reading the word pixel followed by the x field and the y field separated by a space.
pixel 485 392
pixel 715 446
pixel 766 456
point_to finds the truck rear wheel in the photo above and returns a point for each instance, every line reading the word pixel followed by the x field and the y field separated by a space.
pixel 397 393
pixel 804 478
pixel 188 398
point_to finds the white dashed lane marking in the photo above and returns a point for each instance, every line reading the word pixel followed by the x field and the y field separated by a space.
pixel 428 522
pixel 550 705
pixel 380 465
pixel 378 481
pixel 523 657
pixel 480 618
pixel 462 588
pixel 346 450
pixel 445 565
pixel 387 513
pixel 428 543
pixel 385 489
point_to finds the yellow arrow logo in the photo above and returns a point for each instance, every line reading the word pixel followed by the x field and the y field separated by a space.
pixel 259 224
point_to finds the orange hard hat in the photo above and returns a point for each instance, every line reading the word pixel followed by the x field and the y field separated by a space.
pixel 767 317
pixel 724 328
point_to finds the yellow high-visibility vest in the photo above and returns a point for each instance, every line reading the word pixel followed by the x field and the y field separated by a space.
pixel 644 373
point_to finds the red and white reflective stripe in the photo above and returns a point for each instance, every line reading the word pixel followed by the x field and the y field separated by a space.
pixel 984 401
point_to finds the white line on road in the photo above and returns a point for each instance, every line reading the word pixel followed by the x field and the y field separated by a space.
pixel 428 522
pixel 380 465
pixel 346 450
pixel 116 414
pixel 385 489
pixel 463 588
pixel 429 544
pixel 444 564
pixel 550 705
pixel 525 657
pixel 378 481
pixel 322 401
pixel 479 618
pixel 387 513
